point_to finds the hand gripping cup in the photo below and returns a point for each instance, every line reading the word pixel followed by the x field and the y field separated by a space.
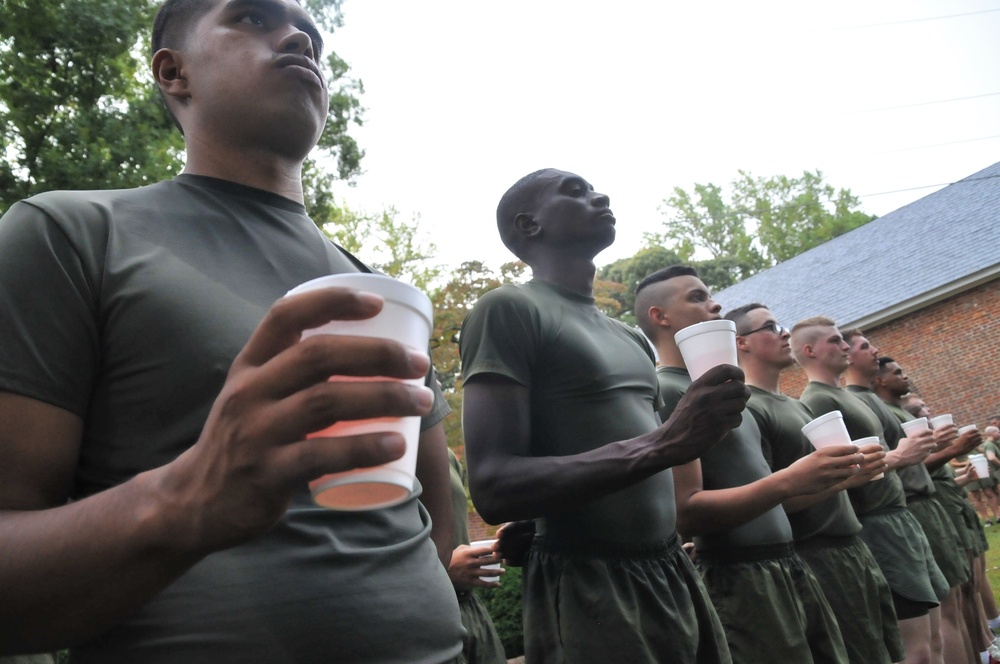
pixel 706 345
pixel 870 440
pixel 940 421
pixel 827 430
pixel 914 427
pixel 981 464
pixel 406 317
pixel 487 544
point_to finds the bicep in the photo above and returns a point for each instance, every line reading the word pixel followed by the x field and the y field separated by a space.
pixel 39 447
pixel 496 422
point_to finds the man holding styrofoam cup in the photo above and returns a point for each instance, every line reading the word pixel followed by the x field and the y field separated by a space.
pixel 707 345
pixel 488 548
pixel 406 317
pixel 829 429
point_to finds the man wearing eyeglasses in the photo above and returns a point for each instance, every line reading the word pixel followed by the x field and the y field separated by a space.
pixel 771 606
pixel 824 525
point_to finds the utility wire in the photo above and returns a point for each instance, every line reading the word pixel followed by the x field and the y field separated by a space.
pixel 920 103
pixel 908 20
pixel 936 145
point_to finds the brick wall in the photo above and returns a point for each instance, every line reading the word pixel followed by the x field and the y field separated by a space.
pixel 949 350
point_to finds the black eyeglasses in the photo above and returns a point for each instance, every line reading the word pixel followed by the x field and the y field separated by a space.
pixel 771 326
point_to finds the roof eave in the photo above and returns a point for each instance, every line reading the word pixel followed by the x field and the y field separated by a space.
pixel 926 299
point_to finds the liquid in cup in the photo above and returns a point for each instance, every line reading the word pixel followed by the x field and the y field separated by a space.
pixel 707 345
pixel 405 317
pixel 827 430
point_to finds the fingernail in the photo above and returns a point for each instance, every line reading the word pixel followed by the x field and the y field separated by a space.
pixel 371 299
pixel 418 360
pixel 422 397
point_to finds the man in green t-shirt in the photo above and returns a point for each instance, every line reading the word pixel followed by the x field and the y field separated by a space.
pixel 891 532
pixel 560 426
pixel 155 399
pixel 825 528
pixel 730 502
pixel 890 384
pixel 919 488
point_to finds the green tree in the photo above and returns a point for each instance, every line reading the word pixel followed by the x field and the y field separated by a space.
pixel 757 224
pixel 78 109
pixel 390 245
pixel 630 271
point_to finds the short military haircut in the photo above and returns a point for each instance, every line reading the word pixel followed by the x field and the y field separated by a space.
pixel 991 430
pixel 806 332
pixel 883 362
pixel 909 403
pixel 740 316
pixel 521 197
pixel 850 333
pixel 174 21
pixel 643 298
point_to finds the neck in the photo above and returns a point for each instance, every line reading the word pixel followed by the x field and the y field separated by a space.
pixel 760 375
pixel 571 272
pixel 888 397
pixel 667 351
pixel 822 375
pixel 259 169
pixel 856 378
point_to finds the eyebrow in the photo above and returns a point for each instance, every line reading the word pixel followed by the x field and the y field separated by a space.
pixel 273 9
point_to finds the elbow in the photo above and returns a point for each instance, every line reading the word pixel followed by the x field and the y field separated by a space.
pixel 491 500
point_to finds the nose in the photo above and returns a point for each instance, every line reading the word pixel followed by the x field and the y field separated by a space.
pixel 714 306
pixel 786 334
pixel 296 41
pixel 601 200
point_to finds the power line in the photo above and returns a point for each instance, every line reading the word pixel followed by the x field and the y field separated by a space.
pixel 920 103
pixel 936 145
pixel 908 20
pixel 928 186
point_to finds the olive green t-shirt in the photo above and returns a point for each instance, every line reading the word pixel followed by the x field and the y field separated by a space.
pixel 591 382
pixel 916 478
pixel 127 309
pixel 736 460
pixel 861 422
pixel 780 419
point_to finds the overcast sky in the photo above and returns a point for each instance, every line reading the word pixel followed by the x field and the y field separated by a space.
pixel 640 96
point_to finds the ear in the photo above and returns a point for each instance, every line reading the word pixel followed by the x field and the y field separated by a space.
pixel 741 343
pixel 807 350
pixel 169 74
pixel 526 226
pixel 659 316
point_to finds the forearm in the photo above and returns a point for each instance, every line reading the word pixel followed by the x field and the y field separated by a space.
pixel 519 488
pixel 69 573
pixel 938 459
pixel 708 511
pixel 432 471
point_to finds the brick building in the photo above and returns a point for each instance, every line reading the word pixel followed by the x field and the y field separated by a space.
pixel 923 282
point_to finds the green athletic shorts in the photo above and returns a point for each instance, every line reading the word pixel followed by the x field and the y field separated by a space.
pixel 771 606
pixel 976 526
pixel 600 602
pixel 859 596
pixel 482 643
pixel 945 543
pixel 899 545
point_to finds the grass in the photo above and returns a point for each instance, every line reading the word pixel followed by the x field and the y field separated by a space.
pixel 993 560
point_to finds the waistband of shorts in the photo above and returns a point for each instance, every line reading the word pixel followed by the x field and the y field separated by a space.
pixel 882 511
pixel 827 542
pixel 747 554
pixel 917 498
pixel 606 548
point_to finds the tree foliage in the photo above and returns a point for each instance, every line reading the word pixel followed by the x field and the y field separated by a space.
pixel 390 245
pixel 758 223
pixel 628 272
pixel 79 110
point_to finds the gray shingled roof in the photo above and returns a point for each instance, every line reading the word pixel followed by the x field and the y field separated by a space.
pixel 926 251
